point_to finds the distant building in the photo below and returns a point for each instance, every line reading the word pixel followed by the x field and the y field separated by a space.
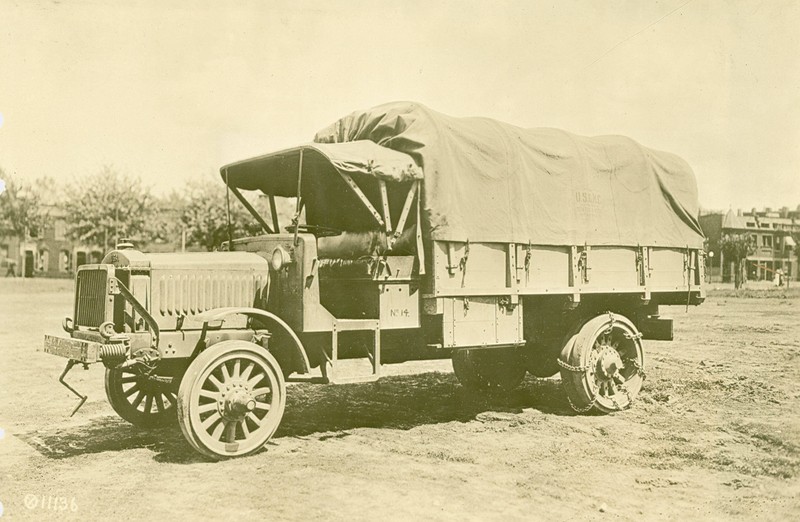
pixel 775 234
pixel 45 253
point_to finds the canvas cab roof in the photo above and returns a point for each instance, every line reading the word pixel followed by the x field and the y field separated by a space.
pixel 276 173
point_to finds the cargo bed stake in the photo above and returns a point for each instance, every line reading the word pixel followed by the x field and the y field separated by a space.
pixel 83 398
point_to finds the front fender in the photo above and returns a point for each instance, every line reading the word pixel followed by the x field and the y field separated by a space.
pixel 275 323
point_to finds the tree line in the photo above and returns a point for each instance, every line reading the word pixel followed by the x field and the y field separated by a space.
pixel 102 208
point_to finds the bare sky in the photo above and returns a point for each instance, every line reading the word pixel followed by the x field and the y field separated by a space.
pixel 167 91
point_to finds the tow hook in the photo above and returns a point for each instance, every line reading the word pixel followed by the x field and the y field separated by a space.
pixel 115 350
pixel 67 368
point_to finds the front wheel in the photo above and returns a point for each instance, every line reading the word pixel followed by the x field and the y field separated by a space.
pixel 602 365
pixel 146 401
pixel 231 399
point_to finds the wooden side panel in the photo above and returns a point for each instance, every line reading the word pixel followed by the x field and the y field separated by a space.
pixel 668 269
pixel 480 321
pixel 548 267
pixel 466 265
pixel 612 268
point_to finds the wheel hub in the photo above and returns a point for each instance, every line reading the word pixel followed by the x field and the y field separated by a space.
pixel 235 401
pixel 609 363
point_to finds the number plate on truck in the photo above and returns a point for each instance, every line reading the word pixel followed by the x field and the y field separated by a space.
pixel 76 349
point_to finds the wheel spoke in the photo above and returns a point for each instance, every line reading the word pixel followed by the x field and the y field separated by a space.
pixel 138 399
pixel 160 403
pixel 148 405
pixel 130 391
pixel 260 391
pixel 210 420
pixel 208 394
pixel 253 417
pixel 237 365
pixel 129 378
pixel 203 408
pixel 217 434
pixel 246 373
pixel 263 406
pixel 245 429
pixel 215 381
pixel 255 380
pixel 226 376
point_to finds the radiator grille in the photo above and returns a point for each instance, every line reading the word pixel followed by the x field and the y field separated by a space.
pixel 90 305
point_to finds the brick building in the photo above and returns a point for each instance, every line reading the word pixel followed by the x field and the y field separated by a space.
pixel 47 252
pixel 775 234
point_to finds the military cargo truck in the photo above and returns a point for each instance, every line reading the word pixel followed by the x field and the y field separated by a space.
pixel 415 235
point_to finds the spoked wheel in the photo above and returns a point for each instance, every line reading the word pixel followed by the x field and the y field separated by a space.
pixel 145 402
pixel 488 368
pixel 602 366
pixel 231 399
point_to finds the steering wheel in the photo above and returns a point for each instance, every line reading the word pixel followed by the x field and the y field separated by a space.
pixel 317 230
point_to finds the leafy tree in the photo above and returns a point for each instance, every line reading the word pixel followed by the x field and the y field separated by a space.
pixel 21 210
pixel 204 215
pixel 107 206
pixel 203 212
pixel 165 222
pixel 736 248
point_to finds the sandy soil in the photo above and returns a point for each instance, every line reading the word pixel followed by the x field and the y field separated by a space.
pixel 714 435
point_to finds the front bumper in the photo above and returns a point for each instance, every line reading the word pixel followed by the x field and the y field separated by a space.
pixel 79 350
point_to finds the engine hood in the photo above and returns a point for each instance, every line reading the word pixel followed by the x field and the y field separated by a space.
pixel 135 259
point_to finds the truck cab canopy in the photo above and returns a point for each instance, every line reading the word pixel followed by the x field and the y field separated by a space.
pixel 328 199
pixel 276 173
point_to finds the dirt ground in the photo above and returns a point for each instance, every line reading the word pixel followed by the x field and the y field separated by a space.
pixel 715 434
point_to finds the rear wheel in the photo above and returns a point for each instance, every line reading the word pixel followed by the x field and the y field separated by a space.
pixel 602 365
pixel 144 401
pixel 231 399
pixel 488 368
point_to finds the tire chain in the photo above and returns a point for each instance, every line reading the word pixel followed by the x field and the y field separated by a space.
pixel 638 367
pixel 576 369
pixel 611 321
pixel 584 409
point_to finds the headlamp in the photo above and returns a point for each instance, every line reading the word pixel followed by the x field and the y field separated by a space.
pixel 280 258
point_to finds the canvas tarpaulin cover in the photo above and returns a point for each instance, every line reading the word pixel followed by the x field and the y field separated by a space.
pixel 489 181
